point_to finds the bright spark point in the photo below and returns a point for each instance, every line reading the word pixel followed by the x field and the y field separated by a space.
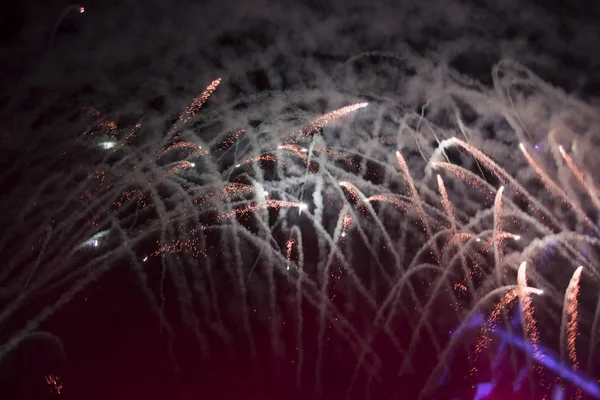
pixel 478 240
pixel 81 10
pixel 237 165
pixel 266 193
pixel 304 150
pixel 343 234
pixel 517 237
pixel 145 258
pixel 521 146
pixel 192 165
pixel 302 207
pixel 107 145
pixel 95 243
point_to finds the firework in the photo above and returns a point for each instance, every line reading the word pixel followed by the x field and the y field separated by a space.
pixel 529 321
pixel 581 178
pixel 446 203
pixel 289 246
pixel 321 243
pixel 571 318
pixel 325 120
pixel 269 204
pixel 194 107
pixel 55 383
pixel 555 189
pixel 569 329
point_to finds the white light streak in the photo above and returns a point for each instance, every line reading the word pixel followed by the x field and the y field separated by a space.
pixel 94 240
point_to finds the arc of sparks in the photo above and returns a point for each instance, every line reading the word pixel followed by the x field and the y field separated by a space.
pixel 325 120
pixel 271 204
pixel 555 189
pixel 570 324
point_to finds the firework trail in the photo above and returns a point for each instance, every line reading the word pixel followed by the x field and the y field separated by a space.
pixel 262 158
pixel 480 156
pixel 446 203
pixel 230 140
pixel 352 193
pixel 180 167
pixel 484 335
pixel 269 204
pixel 528 319
pixel 570 317
pixel 454 237
pixel 413 192
pixel 529 322
pixel 498 228
pixel 510 293
pixel 196 149
pixel 193 108
pixel 396 201
pixel 65 12
pixel 300 322
pixel 467 177
pixel 289 247
pixel 591 190
pixel 325 120
pixel 298 151
pixel 557 191
pixel 546 215
pixel 326 276
pixel 347 222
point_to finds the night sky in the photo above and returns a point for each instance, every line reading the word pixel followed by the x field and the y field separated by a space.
pixel 203 200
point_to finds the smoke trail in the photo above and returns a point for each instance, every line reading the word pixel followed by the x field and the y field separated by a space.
pixel 299 340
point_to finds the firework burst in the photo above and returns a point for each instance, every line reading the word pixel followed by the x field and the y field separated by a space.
pixel 330 243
